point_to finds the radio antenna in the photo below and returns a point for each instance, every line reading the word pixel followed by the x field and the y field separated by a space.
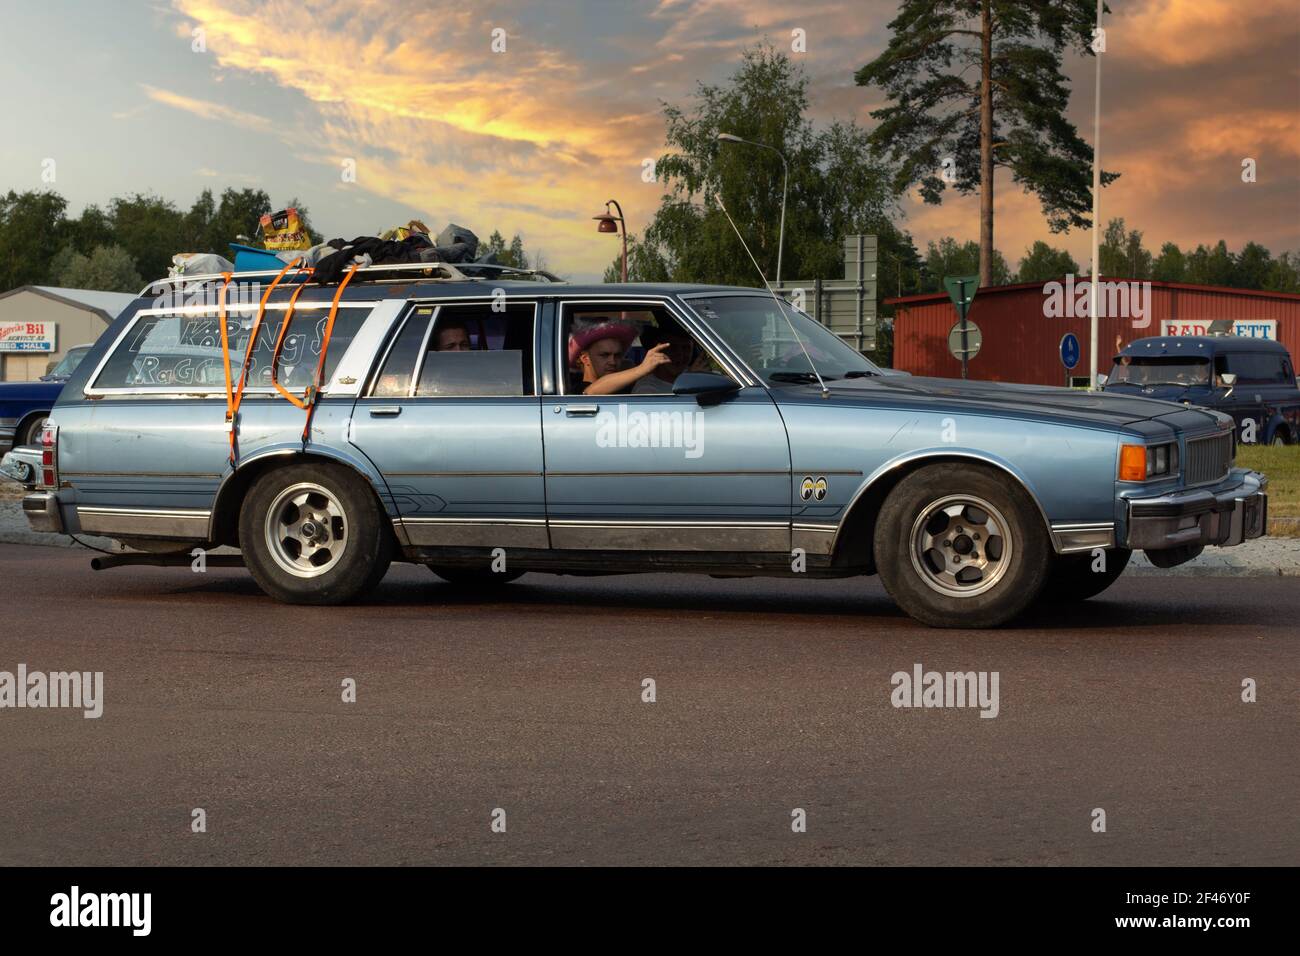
pixel 780 302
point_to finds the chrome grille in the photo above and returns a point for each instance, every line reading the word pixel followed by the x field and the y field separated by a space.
pixel 1208 459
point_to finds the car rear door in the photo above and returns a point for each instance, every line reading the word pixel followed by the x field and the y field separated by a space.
pixel 458 435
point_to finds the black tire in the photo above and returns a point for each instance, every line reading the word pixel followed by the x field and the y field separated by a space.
pixel 954 516
pixel 475 578
pixel 1073 579
pixel 1280 438
pixel 29 432
pixel 353 544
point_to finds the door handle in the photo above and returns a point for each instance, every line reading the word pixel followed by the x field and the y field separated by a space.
pixel 573 411
pixel 385 411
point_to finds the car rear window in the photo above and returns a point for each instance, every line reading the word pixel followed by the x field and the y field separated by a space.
pixel 182 351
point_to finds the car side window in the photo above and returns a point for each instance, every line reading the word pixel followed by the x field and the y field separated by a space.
pixel 394 378
pixel 474 350
pixel 184 351
pixel 602 339
pixel 1258 368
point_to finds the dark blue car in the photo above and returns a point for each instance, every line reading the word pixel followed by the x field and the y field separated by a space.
pixel 24 406
pixel 1253 380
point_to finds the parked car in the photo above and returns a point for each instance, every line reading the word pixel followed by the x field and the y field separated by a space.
pixel 24 406
pixel 1253 380
pixel 781 451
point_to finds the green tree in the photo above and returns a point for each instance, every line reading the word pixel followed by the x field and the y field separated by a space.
pixel 1252 266
pixel 1210 265
pixel 1121 253
pixel 107 269
pixel 838 186
pixel 947 257
pixel 645 263
pixel 33 227
pixel 1170 265
pixel 1042 262
pixel 944 126
pixel 149 229
pixel 1284 273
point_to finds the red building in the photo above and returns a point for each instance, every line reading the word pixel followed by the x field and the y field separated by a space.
pixel 1022 325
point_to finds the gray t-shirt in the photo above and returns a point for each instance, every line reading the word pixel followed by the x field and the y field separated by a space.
pixel 652 384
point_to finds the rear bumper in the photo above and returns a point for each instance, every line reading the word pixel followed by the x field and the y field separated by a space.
pixel 42 511
pixel 1222 517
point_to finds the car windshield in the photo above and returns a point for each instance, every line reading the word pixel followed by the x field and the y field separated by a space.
pixel 68 364
pixel 1159 370
pixel 756 330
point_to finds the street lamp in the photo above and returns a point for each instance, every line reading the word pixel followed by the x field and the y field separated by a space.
pixel 780 242
pixel 611 223
pixel 1096 212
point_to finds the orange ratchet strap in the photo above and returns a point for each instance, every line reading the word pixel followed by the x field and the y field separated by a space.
pixel 314 390
pixel 279 343
pixel 232 402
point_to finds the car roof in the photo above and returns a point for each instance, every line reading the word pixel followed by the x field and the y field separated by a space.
pixel 1199 344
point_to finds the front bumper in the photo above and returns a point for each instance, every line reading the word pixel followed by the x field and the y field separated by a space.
pixel 1222 517
pixel 42 511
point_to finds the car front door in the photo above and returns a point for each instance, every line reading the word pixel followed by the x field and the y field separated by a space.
pixel 648 470
pixel 452 419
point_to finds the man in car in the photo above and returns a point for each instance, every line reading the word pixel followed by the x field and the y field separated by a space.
pixel 596 359
pixel 451 336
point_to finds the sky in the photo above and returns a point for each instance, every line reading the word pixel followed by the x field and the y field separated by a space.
pixel 292 97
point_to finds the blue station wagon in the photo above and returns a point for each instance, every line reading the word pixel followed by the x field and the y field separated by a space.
pixel 471 424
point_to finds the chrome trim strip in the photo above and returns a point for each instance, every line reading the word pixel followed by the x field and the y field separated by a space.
pixel 475 532
pixel 677 535
pixel 1068 538
pixel 813 538
pixel 661 474
pixel 462 474
pixel 163 523
pixel 138 474
pixel 667 523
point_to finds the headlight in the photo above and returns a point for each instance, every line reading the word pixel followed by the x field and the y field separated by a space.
pixel 1144 462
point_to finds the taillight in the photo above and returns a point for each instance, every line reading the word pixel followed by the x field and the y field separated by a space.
pixel 50 456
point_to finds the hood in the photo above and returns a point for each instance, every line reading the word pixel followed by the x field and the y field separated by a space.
pixel 1039 401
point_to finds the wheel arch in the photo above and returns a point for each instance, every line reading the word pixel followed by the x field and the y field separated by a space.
pixel 223 524
pixel 853 539
pixel 26 421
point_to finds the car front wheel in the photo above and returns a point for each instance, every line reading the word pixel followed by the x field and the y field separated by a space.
pixel 961 546
pixel 314 534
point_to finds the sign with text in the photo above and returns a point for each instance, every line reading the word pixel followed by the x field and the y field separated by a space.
pixel 28 336
pixel 1246 328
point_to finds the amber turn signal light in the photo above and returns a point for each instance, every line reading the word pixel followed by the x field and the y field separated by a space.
pixel 1132 462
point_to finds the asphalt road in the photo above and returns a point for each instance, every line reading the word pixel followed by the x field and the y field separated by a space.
pixel 771 695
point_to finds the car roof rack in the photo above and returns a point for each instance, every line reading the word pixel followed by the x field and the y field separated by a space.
pixel 394 272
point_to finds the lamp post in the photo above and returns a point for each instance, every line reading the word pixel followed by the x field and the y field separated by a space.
pixel 611 223
pixel 1096 212
pixel 780 242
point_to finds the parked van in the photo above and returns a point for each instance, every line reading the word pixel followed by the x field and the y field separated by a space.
pixel 1253 380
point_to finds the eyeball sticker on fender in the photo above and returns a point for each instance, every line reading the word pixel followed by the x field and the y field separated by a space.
pixel 813 488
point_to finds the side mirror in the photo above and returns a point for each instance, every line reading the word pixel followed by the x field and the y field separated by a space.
pixel 1229 379
pixel 708 388
pixel 1102 379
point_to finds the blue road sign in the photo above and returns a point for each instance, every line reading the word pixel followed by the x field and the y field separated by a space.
pixel 1070 350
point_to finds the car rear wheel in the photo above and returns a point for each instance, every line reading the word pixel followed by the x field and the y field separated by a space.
pixel 30 432
pixel 961 546
pixel 1077 577
pixel 1279 439
pixel 314 534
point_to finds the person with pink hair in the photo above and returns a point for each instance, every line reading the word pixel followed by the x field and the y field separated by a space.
pixel 596 359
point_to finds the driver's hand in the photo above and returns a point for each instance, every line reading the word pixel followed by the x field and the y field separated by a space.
pixel 655 357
